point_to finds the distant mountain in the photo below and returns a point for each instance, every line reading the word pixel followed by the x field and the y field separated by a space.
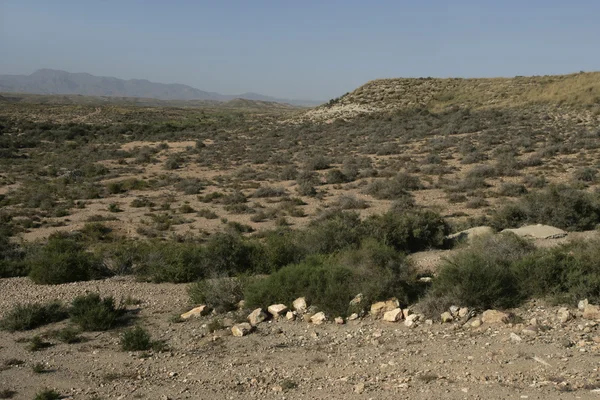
pixel 50 81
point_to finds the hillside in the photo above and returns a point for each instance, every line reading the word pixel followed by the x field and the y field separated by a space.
pixel 49 81
pixel 581 90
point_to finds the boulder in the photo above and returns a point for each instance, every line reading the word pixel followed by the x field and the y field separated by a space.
pixel 241 329
pixel 277 310
pixel 446 317
pixel 300 305
pixel 290 316
pixel 394 315
pixel 538 231
pixel 454 311
pixel 463 312
pixel 318 318
pixel 196 312
pixel 257 316
pixel 406 312
pixel 494 317
pixel 591 311
pixel 381 307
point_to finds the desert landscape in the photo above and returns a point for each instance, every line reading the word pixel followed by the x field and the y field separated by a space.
pixel 415 238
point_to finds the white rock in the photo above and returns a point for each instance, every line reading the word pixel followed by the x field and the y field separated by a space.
pixel 538 232
pixel 318 318
pixel 276 310
pixel 476 323
pixel 353 316
pixel 454 311
pixel 495 317
pixel 446 317
pixel 257 316
pixel 339 320
pixel 406 312
pixel 381 307
pixel 515 338
pixel 463 312
pixel 241 329
pixel 591 311
pixel 582 303
pixel 564 315
pixel 290 316
pixel 196 312
pixel 411 320
pixel 300 304
pixel 394 315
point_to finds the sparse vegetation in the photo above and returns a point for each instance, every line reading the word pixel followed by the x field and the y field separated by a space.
pixel 31 316
pixel 93 313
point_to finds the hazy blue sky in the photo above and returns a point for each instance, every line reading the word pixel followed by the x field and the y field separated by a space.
pixel 302 49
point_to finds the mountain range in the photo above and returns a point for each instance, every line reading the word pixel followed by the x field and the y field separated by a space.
pixel 50 81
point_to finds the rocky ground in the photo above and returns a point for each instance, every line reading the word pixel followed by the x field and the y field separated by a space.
pixel 543 353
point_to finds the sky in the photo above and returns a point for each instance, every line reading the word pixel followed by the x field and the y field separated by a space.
pixel 313 50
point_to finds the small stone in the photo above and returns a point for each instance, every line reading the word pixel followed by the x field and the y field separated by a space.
pixel 290 316
pixel 394 315
pixel 241 304
pixel 257 316
pixel 533 322
pixel 339 320
pixel 530 330
pixel 380 308
pixel 277 310
pixel 454 310
pixel 567 343
pixel 353 316
pixel 582 303
pixel 359 388
pixel 300 304
pixel 357 300
pixel 476 323
pixel 564 315
pixel 463 312
pixel 196 312
pixel 241 329
pixel 494 317
pixel 406 312
pixel 306 317
pixel 428 322
pixel 411 320
pixel 446 317
pixel 515 338
pixel 318 318
pixel 591 311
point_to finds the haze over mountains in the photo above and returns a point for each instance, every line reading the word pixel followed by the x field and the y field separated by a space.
pixel 49 81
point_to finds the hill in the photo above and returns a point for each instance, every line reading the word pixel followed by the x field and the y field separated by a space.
pixel 49 81
pixel 581 90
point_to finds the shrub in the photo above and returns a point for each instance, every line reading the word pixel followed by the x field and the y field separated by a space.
pixel 136 339
pixel 7 394
pixel 93 313
pixel 480 276
pixel 47 394
pixel 567 273
pixel 330 282
pixel 169 262
pixel 511 189
pixel 64 260
pixel 269 191
pixel 318 162
pixel 333 231
pixel 587 175
pixel 560 206
pixel 31 316
pixel 221 294
pixel 408 231
pixel 391 189
pixel 335 176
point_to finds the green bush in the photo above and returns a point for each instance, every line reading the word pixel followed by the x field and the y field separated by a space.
pixel 557 205
pixel 169 262
pixel 63 260
pixel 31 316
pixel 333 231
pixel 93 313
pixel 136 339
pixel 222 294
pixel 566 274
pixel 409 231
pixel 480 276
pixel 47 394
pixel 330 282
